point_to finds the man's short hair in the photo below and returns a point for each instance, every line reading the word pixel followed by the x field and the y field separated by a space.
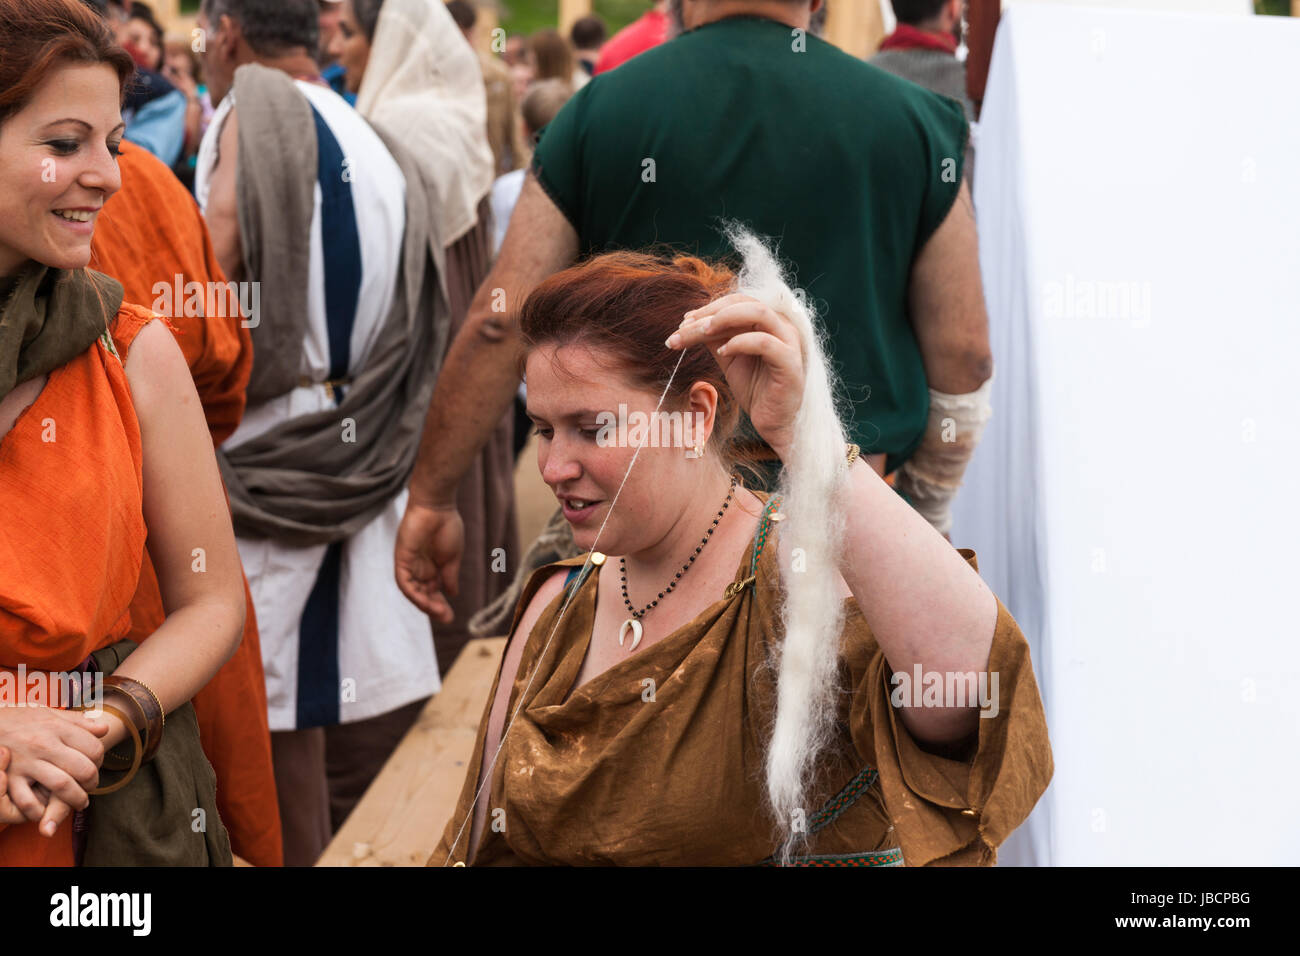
pixel 271 27
pixel 543 100
pixel 588 33
pixel 463 12
pixel 913 12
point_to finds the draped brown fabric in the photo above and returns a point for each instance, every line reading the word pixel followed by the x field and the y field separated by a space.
pixel 486 497
pixel 599 775
pixel 296 483
pixel 48 317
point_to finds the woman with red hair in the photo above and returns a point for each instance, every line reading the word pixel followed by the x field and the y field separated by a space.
pixel 719 678
pixel 102 445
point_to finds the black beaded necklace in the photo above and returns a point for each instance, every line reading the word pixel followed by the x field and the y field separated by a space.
pixel 634 622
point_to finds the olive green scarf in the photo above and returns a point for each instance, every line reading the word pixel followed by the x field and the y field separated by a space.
pixel 50 316
pixel 167 814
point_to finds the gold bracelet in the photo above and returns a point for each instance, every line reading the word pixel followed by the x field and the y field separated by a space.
pixel 853 451
pixel 135 760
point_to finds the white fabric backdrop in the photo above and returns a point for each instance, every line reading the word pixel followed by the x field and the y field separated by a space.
pixel 1243 7
pixel 1134 499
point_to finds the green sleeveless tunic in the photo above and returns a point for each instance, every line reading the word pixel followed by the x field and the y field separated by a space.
pixel 850 168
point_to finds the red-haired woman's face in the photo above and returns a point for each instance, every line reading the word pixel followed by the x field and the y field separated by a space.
pixel 58 163
pixel 573 399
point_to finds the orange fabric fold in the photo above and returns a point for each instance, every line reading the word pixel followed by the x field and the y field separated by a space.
pixel 151 237
pixel 71 488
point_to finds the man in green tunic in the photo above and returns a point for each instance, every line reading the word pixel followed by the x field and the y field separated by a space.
pixel 745 116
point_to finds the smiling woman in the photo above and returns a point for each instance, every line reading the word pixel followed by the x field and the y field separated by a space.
pixel 102 445
pixel 48 113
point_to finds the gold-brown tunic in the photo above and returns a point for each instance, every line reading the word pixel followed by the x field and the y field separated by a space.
pixel 616 775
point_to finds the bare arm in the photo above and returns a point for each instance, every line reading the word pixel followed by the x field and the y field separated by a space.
pixel 926 605
pixel 946 302
pixel 479 377
pixel 191 541
pixel 222 212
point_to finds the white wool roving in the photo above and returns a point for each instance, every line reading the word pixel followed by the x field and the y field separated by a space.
pixel 812 613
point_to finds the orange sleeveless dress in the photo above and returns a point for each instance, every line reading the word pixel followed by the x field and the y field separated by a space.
pixel 71 489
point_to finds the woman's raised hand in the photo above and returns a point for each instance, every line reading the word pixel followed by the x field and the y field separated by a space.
pixel 759 352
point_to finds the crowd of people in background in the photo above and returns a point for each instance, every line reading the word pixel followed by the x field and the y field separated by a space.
pixel 172 106
pixel 380 177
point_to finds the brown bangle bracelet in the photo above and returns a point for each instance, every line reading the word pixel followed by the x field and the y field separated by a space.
pixel 157 703
pixel 116 761
pixel 148 703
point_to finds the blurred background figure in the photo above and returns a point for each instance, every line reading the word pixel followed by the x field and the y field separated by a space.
pixel 514 50
pixel 348 49
pixel 331 71
pixel 923 49
pixel 550 58
pixel 508 149
pixel 649 30
pixel 522 71
pixel 543 101
pixel 143 37
pixel 154 110
pixel 183 70
pixel 587 37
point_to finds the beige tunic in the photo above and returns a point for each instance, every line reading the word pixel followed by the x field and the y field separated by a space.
pixel 603 775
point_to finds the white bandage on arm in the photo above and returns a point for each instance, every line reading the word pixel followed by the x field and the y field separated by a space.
pixel 931 477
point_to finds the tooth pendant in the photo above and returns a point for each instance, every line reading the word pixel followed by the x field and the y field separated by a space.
pixel 635 625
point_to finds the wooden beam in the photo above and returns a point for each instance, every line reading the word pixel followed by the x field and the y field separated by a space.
pixel 489 18
pixel 400 819
pixel 1295 8
pixel 168 12
pixel 982 18
pixel 571 11
pixel 855 26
